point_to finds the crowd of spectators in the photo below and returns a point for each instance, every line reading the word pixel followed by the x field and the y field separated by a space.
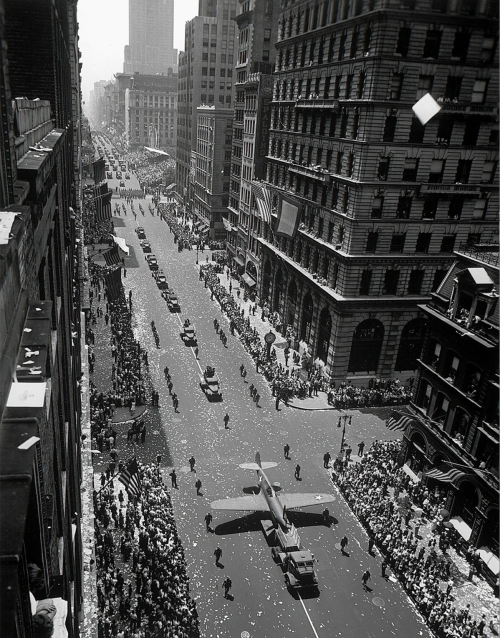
pixel 142 584
pixel 292 381
pixel 183 235
pixel 150 171
pixel 375 489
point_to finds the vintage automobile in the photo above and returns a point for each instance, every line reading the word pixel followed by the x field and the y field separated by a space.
pixel 188 333
pixel 152 262
pixel 127 175
pixel 209 383
pixel 146 246
pixel 122 184
pixel 141 233
pixel 109 175
pixel 161 280
pixel 173 302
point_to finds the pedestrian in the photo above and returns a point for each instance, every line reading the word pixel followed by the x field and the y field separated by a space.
pixel 326 517
pixel 361 447
pixel 245 375
pixel 257 399
pixel 297 472
pixel 242 367
pixel 384 568
pixel 277 401
pixel 226 421
pixel 106 318
pixel 326 460
pixel 218 555
pixel 286 451
pixel 192 463
pixel 348 453
pixel 198 486
pixel 371 543
pixel 170 385
pixel 208 521
pixel 165 371
pixel 173 476
pixel 366 577
pixel 227 584
pixel 343 544
pixel 158 460
pixel 196 352
pixel 481 625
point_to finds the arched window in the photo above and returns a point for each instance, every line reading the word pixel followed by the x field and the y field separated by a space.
pixel 307 314
pixel 278 291
pixel 266 281
pixel 366 346
pixel 410 345
pixel 325 329
pixel 418 449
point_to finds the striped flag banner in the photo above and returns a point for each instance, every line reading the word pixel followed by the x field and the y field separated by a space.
pixel 112 257
pixel 445 474
pixel 398 421
pixel 114 284
pixel 131 479
pixel 98 166
pixel 263 199
pixel 103 210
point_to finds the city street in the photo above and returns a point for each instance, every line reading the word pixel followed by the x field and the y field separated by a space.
pixel 260 603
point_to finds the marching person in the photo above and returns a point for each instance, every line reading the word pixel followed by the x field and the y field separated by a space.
pixel 226 421
pixel 208 521
pixel 227 584
pixel 192 463
pixel 198 486
pixel 218 555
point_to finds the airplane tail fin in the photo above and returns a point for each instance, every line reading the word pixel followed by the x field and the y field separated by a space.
pixel 258 465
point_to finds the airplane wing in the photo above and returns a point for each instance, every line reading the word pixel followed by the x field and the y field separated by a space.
pixel 253 503
pixel 305 500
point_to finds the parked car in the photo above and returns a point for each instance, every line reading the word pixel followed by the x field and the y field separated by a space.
pixel 161 280
pixel 173 302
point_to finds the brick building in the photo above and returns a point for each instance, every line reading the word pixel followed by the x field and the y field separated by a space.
pixel 383 200
pixel 257 31
pixel 454 439
pixel 211 163
pixel 205 77
pixel 40 324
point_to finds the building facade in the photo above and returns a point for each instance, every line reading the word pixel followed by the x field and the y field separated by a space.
pixel 457 396
pixel 151 111
pixel 40 325
pixel 384 200
pixel 205 77
pixel 151 38
pixel 212 163
pixel 257 23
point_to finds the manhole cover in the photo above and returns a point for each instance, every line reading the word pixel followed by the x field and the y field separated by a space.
pixel 380 602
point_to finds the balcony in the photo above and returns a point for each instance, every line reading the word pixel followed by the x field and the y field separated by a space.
pixel 314 172
pixel 316 103
pixel 484 253
pixel 451 189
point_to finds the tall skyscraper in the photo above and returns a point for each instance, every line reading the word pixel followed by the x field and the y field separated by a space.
pixel 151 38
pixel 205 77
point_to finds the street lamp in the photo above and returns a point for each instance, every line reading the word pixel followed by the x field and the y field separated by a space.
pixel 339 424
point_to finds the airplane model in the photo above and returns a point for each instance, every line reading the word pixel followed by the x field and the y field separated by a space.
pixel 267 500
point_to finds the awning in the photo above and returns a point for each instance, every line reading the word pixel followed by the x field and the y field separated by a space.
pixel 121 244
pixel 461 526
pixel 407 470
pixel 249 281
pixel 239 260
pixel 445 474
pixel 170 186
pixel 489 558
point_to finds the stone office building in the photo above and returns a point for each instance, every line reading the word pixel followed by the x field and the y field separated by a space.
pixel 384 199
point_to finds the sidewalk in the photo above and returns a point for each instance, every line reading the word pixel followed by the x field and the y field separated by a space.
pixel 263 327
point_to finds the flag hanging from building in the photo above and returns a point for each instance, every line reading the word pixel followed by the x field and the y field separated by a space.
pixel 103 210
pixel 112 256
pixel 263 199
pixel 445 474
pixel 98 166
pixel 398 421
pixel 227 225
pixel 114 284
pixel 131 479
pixel 289 214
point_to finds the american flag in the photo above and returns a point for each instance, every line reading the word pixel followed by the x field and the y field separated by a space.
pixel 263 199
pixel 445 474
pixel 398 421
pixel 112 257
pixel 114 284
pixel 99 169
pixel 103 207
pixel 131 479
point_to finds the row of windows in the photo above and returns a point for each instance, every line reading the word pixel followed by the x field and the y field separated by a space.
pixel 422 244
pixel 337 47
pixel 205 71
pixel 429 209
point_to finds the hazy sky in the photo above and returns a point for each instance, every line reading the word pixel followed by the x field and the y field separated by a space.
pixel 103 30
